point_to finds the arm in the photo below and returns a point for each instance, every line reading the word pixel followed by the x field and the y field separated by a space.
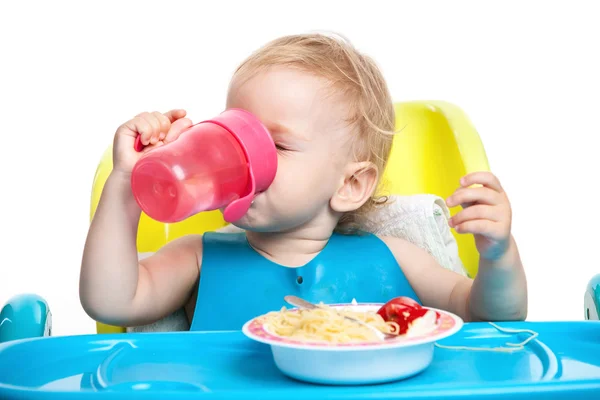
pixel 499 291
pixel 114 287
pixel 435 286
pixel 117 289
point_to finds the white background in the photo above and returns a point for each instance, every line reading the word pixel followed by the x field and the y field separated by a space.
pixel 527 74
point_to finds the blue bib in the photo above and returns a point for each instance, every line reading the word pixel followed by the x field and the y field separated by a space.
pixel 238 284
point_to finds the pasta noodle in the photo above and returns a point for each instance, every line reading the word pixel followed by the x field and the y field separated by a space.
pixel 512 346
pixel 327 325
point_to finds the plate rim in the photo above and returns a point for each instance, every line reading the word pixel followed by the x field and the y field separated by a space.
pixel 458 323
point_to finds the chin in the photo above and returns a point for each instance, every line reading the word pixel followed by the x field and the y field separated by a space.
pixel 260 229
pixel 261 218
pixel 256 223
pixel 252 227
pixel 251 222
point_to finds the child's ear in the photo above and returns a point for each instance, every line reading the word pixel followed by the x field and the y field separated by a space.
pixel 359 183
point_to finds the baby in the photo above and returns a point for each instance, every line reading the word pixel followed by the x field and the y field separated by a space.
pixel 331 117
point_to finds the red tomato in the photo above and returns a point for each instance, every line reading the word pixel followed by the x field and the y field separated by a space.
pixel 403 311
pixel 405 301
pixel 396 306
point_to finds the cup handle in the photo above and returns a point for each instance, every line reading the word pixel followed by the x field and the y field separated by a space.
pixel 138 145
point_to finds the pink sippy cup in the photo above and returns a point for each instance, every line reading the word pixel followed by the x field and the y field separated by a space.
pixel 220 163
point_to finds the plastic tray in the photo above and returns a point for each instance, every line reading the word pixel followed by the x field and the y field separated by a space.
pixel 562 362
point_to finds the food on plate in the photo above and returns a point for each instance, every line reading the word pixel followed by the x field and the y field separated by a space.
pixel 407 314
pixel 327 324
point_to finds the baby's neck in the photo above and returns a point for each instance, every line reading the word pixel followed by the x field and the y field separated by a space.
pixel 291 249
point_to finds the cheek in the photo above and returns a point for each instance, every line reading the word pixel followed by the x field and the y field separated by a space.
pixel 296 175
pixel 310 186
pixel 288 182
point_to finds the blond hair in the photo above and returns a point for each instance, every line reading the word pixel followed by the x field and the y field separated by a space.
pixel 357 77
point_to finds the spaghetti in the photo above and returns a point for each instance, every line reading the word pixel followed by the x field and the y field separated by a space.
pixel 327 325
pixel 512 347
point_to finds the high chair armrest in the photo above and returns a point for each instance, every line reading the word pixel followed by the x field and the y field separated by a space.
pixel 25 316
pixel 591 300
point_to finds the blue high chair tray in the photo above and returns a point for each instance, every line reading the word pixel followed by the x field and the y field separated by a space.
pixel 562 362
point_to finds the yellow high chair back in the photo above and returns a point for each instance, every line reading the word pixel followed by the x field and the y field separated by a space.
pixel 436 146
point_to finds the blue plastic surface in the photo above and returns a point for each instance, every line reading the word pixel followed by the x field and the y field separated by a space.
pixel 25 316
pixel 349 264
pixel 562 363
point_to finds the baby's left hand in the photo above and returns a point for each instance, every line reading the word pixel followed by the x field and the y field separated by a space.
pixel 486 213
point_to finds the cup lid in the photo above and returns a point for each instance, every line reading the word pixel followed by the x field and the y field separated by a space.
pixel 261 155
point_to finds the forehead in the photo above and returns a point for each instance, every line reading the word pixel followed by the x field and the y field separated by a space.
pixel 290 97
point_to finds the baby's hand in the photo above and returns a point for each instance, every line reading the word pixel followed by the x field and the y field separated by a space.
pixel 486 213
pixel 154 129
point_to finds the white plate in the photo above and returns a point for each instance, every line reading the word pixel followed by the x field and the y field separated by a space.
pixel 355 363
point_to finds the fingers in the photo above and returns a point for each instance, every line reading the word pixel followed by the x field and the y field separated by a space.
pixel 486 212
pixel 479 195
pixel 139 126
pixel 174 115
pixel 176 128
pixel 155 127
pixel 153 136
pixel 478 212
pixel 484 178
pixel 480 227
pixel 165 124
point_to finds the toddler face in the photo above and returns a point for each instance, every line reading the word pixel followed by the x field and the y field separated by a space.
pixel 308 126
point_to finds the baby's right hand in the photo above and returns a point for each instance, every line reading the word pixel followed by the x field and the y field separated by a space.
pixel 155 129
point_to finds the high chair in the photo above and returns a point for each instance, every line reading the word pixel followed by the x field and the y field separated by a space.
pixel 435 146
pixel 522 359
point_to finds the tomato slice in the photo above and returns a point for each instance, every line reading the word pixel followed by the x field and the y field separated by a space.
pixel 403 311
pixel 405 301
pixel 397 306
